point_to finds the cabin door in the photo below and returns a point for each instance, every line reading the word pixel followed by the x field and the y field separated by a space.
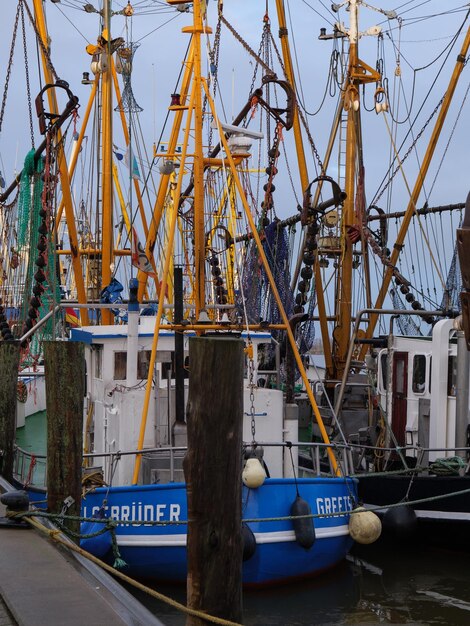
pixel 399 396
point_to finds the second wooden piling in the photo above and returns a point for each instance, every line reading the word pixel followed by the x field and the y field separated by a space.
pixel 65 390
pixel 212 470
pixel 9 361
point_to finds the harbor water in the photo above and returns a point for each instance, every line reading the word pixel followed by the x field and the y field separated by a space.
pixel 375 585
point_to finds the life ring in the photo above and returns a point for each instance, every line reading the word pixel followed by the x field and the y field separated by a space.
pixel 21 391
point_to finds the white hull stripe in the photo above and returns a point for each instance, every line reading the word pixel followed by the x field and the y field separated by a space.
pixel 444 515
pixel 170 541
pixel 437 515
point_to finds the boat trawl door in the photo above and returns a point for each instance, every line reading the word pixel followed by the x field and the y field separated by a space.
pixel 399 396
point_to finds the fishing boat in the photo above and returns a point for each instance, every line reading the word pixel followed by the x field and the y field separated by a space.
pixel 395 350
pixel 213 258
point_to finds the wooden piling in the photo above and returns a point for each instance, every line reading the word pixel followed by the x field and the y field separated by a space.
pixel 212 470
pixel 9 362
pixel 65 390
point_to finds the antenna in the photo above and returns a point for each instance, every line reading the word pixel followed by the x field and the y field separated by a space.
pixel 238 130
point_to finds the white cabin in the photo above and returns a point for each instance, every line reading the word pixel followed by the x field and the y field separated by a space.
pixel 117 361
pixel 417 384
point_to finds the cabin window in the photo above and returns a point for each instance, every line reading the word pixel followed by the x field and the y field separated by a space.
pixel 143 362
pixel 98 357
pixel 452 376
pixel 400 376
pixel 419 373
pixel 120 365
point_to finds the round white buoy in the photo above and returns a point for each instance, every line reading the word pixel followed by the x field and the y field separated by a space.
pixel 364 526
pixel 253 474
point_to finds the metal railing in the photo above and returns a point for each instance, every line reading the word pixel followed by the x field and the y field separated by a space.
pixel 31 469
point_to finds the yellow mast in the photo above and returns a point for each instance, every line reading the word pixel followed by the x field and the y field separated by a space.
pixel 411 208
pixel 63 171
pixel 165 275
pixel 272 283
pixel 107 235
pixel 127 140
pixel 303 173
pixel 358 73
pixel 81 135
pixel 165 179
pixel 198 172
pixel 195 99
pixel 341 333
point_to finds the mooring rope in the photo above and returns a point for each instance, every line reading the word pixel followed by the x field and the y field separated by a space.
pixel 112 524
pixel 108 524
pixel 55 535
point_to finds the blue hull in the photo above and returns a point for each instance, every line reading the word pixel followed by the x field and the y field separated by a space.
pixel 159 551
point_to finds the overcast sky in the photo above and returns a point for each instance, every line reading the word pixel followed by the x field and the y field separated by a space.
pixel 417 44
pixel 417 53
pixel 426 29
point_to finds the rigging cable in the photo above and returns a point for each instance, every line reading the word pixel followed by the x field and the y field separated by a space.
pixel 10 65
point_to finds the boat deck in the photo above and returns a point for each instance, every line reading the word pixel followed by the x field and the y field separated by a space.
pixel 42 584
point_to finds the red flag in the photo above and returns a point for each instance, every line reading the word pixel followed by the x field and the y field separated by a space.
pixel 71 318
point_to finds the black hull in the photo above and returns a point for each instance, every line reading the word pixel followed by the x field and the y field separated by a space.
pixel 443 519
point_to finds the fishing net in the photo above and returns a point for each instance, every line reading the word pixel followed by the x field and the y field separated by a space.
pixel 276 248
pixel 260 304
pixel 30 204
pixel 25 198
pixel 307 331
pixel 451 296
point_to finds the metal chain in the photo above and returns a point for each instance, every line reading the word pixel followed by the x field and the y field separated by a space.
pixel 41 43
pixel 278 54
pixel 214 58
pixel 273 155
pixel 312 143
pixel 10 63
pixel 28 87
pixel 255 71
pixel 408 152
pixel 281 63
pixel 251 367
pixel 216 51
pixel 289 173
pixel 301 115
pixel 247 47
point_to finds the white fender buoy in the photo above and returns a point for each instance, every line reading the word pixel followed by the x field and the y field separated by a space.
pixel 253 474
pixel 364 526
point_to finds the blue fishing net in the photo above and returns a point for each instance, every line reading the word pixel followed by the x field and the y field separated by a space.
pixel 260 303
